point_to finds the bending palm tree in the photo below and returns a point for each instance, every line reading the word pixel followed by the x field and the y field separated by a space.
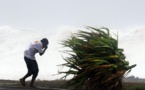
pixel 95 61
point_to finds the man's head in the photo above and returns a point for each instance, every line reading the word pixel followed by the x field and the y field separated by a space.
pixel 45 42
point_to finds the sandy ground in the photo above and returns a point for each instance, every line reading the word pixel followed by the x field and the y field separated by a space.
pixel 40 85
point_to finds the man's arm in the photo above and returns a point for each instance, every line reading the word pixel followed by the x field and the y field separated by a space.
pixel 43 51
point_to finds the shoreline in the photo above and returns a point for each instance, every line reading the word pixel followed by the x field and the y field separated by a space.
pixel 43 84
pixel 52 85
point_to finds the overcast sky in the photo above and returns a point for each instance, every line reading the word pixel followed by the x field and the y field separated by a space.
pixel 22 21
pixel 50 14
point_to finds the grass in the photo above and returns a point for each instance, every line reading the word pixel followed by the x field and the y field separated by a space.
pixel 134 86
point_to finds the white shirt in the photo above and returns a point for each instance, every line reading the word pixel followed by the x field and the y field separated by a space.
pixel 33 48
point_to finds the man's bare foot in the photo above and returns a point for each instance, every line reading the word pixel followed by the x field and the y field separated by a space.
pixel 22 81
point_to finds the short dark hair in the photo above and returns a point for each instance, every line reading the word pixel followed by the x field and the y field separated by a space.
pixel 45 41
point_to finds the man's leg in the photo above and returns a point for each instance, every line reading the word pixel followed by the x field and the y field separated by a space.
pixel 22 80
pixel 34 72
pixel 29 73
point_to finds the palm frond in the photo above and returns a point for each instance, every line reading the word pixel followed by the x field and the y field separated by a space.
pixel 95 60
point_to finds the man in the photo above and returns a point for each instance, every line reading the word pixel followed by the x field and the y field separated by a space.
pixel 29 57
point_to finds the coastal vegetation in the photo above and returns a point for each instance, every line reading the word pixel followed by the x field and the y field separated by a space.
pixel 95 61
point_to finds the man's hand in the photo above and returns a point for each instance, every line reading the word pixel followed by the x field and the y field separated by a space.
pixel 43 51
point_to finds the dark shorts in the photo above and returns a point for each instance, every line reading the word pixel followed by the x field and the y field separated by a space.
pixel 32 66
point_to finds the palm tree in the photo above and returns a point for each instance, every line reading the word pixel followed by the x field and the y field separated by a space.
pixel 95 61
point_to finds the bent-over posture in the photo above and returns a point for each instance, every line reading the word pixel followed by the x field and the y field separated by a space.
pixel 29 57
